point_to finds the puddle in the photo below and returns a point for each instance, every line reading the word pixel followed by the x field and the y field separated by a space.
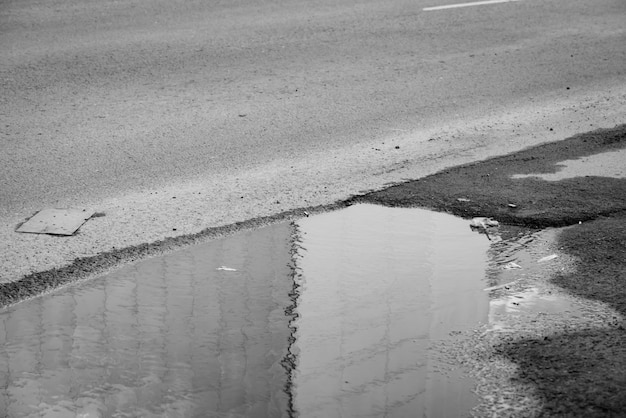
pixel 217 328
pixel 605 164
pixel 378 285
pixel 170 336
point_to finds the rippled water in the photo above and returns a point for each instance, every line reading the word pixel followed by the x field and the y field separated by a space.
pixel 378 286
pixel 171 336
pixel 218 330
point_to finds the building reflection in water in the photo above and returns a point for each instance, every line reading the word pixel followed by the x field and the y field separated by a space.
pixel 170 336
pixel 377 287
pixel 333 315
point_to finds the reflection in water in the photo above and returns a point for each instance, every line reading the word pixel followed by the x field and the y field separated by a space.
pixel 171 336
pixel 377 285
pixel 209 330
pixel 510 248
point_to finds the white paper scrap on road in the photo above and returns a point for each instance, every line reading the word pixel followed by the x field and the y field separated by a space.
pixel 474 3
pixel 56 221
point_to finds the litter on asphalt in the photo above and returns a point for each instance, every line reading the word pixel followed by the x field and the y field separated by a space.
pixel 56 221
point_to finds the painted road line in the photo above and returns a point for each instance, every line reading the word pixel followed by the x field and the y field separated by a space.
pixel 475 3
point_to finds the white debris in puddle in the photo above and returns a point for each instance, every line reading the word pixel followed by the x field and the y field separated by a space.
pixel 224 268
pixel 484 223
pixel 547 258
pixel 511 266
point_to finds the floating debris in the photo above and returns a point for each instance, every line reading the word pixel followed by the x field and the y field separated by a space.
pixel 224 268
pixel 484 223
pixel 547 258
pixel 511 266
pixel 500 286
pixel 56 221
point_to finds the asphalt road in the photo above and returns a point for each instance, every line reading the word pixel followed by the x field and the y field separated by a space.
pixel 245 108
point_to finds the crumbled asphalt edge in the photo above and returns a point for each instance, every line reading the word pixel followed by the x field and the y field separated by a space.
pixel 579 372
pixel 290 360
pixel 38 283
pixel 487 189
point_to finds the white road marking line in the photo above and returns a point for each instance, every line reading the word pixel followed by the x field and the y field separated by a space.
pixel 475 3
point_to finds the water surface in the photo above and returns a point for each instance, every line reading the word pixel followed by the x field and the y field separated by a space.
pixel 170 336
pixel 334 315
pixel 378 287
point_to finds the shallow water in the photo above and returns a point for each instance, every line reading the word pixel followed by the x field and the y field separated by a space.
pixel 378 287
pixel 219 330
pixel 170 336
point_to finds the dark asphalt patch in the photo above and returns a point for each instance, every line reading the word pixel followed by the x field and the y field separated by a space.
pixel 487 189
pixel 600 247
pixel 578 374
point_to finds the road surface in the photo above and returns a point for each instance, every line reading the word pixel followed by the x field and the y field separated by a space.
pixel 171 117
